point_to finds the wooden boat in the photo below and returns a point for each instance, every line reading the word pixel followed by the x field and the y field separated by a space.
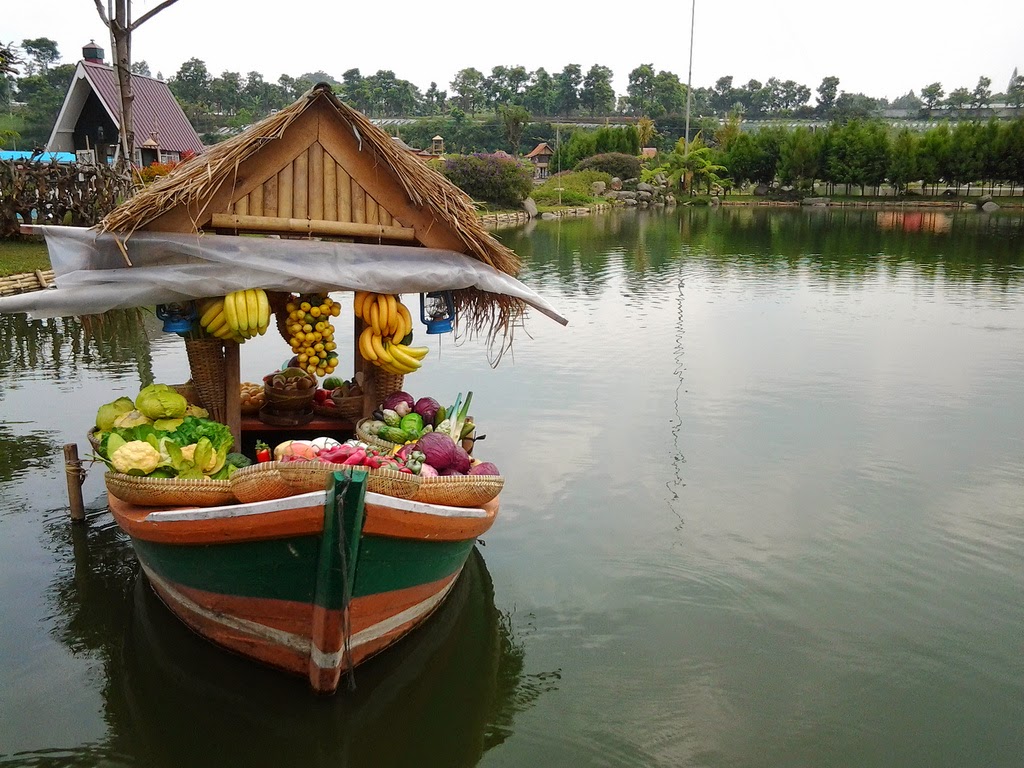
pixel 313 584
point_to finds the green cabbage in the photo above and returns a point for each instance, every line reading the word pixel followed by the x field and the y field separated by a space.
pixel 159 401
pixel 108 413
pixel 131 419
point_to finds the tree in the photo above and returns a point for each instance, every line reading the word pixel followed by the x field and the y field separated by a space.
pixel 121 27
pixel 141 68
pixel 908 101
pixel 540 93
pixel 8 60
pixel 641 89
pixel 434 100
pixel 468 89
pixel 933 155
pixel 42 51
pixel 958 97
pixel 669 95
pixel 645 131
pixel 597 94
pixel 798 161
pixel 1015 93
pixel 191 83
pixel 932 95
pixel 982 93
pixel 723 95
pixel 903 161
pixel 827 93
pixel 567 88
pixel 514 118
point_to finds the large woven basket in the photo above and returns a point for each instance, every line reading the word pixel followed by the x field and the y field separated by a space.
pixel 276 480
pixel 459 490
pixel 206 361
pixel 383 384
pixel 169 491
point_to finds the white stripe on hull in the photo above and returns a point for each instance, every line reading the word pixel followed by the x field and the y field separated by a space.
pixel 298 643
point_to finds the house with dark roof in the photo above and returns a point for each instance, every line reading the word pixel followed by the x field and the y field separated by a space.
pixel 541 156
pixel 90 114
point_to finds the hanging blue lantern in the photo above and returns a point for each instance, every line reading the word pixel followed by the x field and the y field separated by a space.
pixel 178 318
pixel 437 311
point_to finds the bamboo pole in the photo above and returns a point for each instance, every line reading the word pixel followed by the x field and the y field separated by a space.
pixel 358 203
pixel 256 201
pixel 300 187
pixel 284 192
pixel 311 227
pixel 316 181
pixel 270 197
pixel 331 188
pixel 344 182
pixel 233 392
pixel 75 477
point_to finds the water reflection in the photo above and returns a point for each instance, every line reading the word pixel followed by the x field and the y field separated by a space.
pixel 110 343
pixel 585 255
pixel 444 696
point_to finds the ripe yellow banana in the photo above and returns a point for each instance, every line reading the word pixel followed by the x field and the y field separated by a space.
pixel 406 324
pixel 230 312
pixel 393 316
pixel 365 347
pixel 378 347
pixel 382 312
pixel 210 310
pixel 417 353
pixel 373 317
pixel 237 300
pixel 402 358
pixel 218 322
pixel 361 306
pixel 264 310
pixel 252 309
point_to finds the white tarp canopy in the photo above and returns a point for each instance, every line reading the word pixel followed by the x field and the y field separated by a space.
pixel 92 275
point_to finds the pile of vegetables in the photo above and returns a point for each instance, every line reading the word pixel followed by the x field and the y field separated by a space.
pixel 353 453
pixel 401 419
pixel 160 434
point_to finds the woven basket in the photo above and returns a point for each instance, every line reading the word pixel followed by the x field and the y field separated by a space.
pixel 383 384
pixel 94 440
pixel 206 361
pixel 460 490
pixel 169 491
pixel 348 408
pixel 276 480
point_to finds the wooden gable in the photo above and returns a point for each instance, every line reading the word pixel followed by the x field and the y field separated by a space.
pixel 319 178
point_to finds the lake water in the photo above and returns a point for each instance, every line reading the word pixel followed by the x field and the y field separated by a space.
pixel 764 507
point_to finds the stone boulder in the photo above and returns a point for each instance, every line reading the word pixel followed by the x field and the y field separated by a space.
pixel 616 183
pixel 644 195
pixel 644 187
pixel 548 216
pixel 990 207
pixel 627 195
pixel 761 190
pixel 629 201
pixel 530 206
pixel 597 188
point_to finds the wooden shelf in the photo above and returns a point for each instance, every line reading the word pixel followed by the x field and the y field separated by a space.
pixel 319 424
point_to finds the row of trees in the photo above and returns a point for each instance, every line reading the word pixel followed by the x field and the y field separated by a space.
pixel 869 154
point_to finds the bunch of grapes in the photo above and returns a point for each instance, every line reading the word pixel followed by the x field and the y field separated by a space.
pixel 311 334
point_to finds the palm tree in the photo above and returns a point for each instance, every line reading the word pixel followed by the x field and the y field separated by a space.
pixel 693 167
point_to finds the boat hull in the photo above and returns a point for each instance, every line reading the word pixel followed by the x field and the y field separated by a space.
pixel 259 578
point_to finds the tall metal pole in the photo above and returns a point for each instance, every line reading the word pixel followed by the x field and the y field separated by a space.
pixel 689 81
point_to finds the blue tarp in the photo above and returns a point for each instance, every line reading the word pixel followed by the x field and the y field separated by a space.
pixel 44 157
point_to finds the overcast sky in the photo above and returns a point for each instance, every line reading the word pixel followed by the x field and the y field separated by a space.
pixel 881 48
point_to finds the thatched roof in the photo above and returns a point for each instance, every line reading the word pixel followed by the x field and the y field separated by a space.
pixel 194 182
pixel 426 208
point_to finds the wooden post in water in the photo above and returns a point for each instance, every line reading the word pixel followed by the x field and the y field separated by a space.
pixel 74 475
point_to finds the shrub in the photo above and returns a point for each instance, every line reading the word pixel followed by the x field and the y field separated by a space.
pixel 490 179
pixel 575 188
pixel 612 163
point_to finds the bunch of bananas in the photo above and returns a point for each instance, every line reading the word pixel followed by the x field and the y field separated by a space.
pixel 238 316
pixel 388 322
pixel 311 334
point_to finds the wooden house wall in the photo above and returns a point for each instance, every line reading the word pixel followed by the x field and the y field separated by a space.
pixel 313 186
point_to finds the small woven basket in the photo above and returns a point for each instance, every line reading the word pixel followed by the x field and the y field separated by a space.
pixel 169 491
pixel 348 408
pixel 370 439
pixel 206 361
pixel 459 490
pixel 276 480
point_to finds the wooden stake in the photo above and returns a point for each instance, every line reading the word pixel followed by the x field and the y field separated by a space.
pixel 74 476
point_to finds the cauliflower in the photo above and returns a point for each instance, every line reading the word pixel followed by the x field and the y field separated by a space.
pixel 135 458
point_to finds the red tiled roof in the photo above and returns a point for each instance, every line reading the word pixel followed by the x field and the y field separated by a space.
pixel 154 110
pixel 541 149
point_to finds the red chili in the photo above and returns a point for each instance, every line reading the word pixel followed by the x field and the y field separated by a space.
pixel 262 455
pixel 356 458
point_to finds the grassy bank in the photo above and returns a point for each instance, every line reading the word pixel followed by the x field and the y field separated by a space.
pixel 22 256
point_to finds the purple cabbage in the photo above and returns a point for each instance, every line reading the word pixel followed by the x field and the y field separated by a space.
pixel 461 461
pixel 428 471
pixel 427 407
pixel 484 468
pixel 450 472
pixel 394 399
pixel 438 448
